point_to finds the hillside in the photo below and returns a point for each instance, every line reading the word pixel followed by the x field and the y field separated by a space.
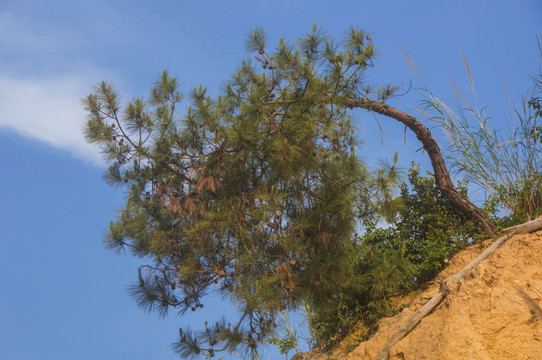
pixel 492 312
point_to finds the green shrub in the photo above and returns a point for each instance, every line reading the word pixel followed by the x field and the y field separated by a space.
pixel 424 232
pixel 427 226
pixel 379 272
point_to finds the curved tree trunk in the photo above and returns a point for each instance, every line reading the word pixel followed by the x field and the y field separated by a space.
pixel 430 145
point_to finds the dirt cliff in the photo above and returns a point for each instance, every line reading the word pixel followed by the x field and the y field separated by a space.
pixel 493 313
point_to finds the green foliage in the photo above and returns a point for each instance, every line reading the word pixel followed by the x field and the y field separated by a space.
pixel 289 339
pixel 382 270
pixel 253 195
pixel 285 344
pixel 426 226
pixel 424 232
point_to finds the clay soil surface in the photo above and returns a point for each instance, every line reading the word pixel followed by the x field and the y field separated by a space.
pixel 495 313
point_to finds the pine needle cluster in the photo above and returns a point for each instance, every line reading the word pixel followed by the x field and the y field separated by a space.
pixel 254 195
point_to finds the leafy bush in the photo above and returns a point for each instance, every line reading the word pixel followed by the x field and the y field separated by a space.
pixel 427 226
pixel 425 232
pixel 378 273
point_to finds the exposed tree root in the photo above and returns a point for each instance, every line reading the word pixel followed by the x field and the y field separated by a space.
pixel 528 227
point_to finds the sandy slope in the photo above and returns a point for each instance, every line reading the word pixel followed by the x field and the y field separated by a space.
pixel 494 314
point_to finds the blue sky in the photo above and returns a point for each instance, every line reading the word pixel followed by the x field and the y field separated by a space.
pixel 62 296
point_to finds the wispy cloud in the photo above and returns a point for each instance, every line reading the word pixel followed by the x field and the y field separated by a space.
pixel 43 76
pixel 48 110
pixel 17 35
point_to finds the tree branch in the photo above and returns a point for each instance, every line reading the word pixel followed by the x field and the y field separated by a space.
pixel 430 145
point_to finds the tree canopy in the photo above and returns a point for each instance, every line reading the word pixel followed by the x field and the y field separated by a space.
pixel 255 194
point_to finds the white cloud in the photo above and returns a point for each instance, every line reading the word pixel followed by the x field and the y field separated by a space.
pixel 43 77
pixel 49 110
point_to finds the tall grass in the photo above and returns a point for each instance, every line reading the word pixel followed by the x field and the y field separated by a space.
pixel 505 161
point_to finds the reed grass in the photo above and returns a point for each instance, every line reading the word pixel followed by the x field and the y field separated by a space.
pixel 501 156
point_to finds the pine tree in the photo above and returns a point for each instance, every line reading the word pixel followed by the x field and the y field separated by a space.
pixel 255 194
